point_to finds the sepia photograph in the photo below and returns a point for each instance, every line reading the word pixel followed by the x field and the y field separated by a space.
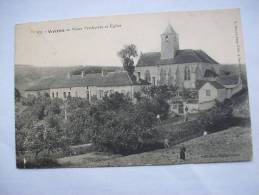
pixel 132 90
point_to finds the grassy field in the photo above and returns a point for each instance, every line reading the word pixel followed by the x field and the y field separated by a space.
pixel 233 144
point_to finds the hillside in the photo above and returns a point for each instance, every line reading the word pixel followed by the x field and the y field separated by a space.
pixel 27 75
pixel 232 144
pixel 228 145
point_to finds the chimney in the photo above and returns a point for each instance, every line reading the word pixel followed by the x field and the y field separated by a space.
pixel 68 75
pixel 82 74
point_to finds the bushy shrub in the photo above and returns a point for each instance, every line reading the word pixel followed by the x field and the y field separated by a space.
pixel 77 126
pixel 55 106
pixel 40 137
pixel 121 128
pixel 28 101
pixel 121 131
pixel 155 105
pixel 218 117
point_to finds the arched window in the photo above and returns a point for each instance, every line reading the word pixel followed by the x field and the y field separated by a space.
pixel 170 77
pixel 187 74
pixel 162 76
pixel 147 76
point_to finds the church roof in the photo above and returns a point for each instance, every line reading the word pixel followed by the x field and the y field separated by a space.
pixel 169 29
pixel 181 57
pixel 112 79
pixel 210 73
pixel 215 84
pixel 228 79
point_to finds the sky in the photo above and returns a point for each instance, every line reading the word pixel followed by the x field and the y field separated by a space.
pixel 97 40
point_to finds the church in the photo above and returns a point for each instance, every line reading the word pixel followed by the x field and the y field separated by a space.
pixel 186 69
pixel 174 66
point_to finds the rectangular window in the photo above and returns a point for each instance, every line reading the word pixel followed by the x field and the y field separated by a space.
pixel 65 95
pixel 138 75
pixel 153 80
pixel 208 92
pixel 53 94
pixel 56 94
pixel 101 93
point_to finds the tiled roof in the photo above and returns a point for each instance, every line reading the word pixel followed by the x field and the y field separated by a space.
pixel 76 81
pixel 111 79
pixel 229 79
pixel 181 57
pixel 116 79
pixel 149 59
pixel 42 84
pixel 210 73
pixel 169 29
pixel 216 84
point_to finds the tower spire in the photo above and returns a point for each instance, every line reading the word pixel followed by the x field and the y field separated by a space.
pixel 169 43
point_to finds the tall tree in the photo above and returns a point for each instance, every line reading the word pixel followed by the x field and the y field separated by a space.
pixel 127 54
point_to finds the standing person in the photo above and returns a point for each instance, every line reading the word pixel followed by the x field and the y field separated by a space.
pixel 186 114
pixel 166 142
pixel 158 118
pixel 182 153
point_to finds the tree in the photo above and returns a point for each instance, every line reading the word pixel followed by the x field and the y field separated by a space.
pixel 55 106
pixel 40 137
pixel 156 99
pixel 218 117
pixel 119 126
pixel 116 101
pixel 39 108
pixel 78 125
pixel 122 131
pixel 127 55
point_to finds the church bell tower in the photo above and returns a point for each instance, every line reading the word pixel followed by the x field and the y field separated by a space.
pixel 169 43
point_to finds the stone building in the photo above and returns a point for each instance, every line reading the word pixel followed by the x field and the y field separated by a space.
pixel 189 70
pixel 89 86
pixel 174 66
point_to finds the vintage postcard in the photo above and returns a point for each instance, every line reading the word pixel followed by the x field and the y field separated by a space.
pixel 145 89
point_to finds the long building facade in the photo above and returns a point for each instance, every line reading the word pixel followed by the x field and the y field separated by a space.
pixel 89 86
